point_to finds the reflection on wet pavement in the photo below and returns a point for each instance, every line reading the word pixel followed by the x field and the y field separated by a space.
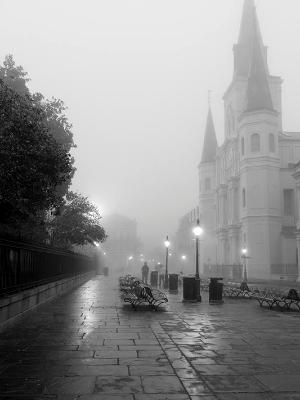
pixel 87 345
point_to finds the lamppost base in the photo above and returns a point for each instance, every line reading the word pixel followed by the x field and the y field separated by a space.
pixel 197 289
pixel 244 286
pixel 166 282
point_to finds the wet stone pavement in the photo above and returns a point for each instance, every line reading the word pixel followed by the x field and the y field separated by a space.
pixel 87 345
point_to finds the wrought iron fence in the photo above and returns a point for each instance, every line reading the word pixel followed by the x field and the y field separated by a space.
pixel 22 264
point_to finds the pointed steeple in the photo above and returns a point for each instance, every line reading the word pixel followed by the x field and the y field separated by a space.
pixel 258 91
pixel 210 141
pixel 248 30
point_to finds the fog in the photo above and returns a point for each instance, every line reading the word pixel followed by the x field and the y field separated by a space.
pixel 135 75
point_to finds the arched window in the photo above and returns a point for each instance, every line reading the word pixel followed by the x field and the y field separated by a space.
pixel 255 143
pixel 244 197
pixel 207 184
pixel 272 143
pixel 243 146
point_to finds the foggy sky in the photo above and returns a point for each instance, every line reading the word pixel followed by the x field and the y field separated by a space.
pixel 135 75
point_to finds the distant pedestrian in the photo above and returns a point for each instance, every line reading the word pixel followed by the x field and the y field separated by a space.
pixel 161 275
pixel 145 273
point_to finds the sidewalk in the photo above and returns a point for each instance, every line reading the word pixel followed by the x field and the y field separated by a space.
pixel 86 345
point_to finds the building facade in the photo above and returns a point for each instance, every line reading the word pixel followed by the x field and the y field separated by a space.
pixel 122 247
pixel 184 244
pixel 247 186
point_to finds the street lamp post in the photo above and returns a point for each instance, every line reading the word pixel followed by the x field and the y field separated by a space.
pixel 244 257
pixel 183 262
pixel 167 245
pixel 197 232
pixel 244 284
pixel 130 258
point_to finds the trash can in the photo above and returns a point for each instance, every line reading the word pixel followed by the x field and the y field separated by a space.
pixel 191 289
pixel 216 291
pixel 154 278
pixel 173 282
pixel 105 271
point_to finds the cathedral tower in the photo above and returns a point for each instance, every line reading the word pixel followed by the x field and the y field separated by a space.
pixel 258 132
pixel 235 96
pixel 207 187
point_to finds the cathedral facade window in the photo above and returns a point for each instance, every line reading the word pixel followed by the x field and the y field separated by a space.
pixel 255 143
pixel 272 143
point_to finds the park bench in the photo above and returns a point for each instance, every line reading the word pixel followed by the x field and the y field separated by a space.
pixel 288 301
pixel 270 297
pixel 143 294
pixel 126 283
pixel 240 290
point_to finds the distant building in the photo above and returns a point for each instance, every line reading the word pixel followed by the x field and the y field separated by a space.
pixel 184 243
pixel 247 186
pixel 123 246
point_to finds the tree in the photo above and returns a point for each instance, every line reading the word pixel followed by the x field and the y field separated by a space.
pixel 60 128
pixel 14 76
pixel 78 223
pixel 32 163
pixel 55 119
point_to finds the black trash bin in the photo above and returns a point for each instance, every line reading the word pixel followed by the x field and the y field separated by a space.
pixel 216 291
pixel 154 278
pixel 191 289
pixel 173 282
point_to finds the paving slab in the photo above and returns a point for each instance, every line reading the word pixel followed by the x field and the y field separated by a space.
pixel 87 345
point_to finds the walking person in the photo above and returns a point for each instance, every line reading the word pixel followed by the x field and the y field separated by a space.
pixel 161 275
pixel 145 273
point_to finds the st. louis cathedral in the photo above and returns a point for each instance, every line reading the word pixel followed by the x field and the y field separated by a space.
pixel 248 186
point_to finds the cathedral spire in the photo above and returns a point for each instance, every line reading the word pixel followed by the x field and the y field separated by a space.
pixel 245 36
pixel 249 29
pixel 210 141
pixel 258 91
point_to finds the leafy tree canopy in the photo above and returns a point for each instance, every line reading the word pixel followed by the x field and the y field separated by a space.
pixel 55 119
pixel 77 224
pixel 14 76
pixel 32 163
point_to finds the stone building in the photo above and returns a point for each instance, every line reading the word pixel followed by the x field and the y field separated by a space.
pixel 123 246
pixel 247 185
pixel 184 243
